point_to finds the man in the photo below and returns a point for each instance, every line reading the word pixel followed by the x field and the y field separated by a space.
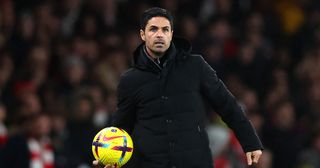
pixel 161 102
pixel 32 146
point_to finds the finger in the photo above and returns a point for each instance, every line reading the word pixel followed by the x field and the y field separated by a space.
pixel 249 159
pixel 95 163
pixel 109 166
pixel 256 157
pixel 98 164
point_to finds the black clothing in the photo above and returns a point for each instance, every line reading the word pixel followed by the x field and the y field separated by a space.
pixel 163 109
pixel 16 152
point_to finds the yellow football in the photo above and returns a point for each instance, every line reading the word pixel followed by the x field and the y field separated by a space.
pixel 112 146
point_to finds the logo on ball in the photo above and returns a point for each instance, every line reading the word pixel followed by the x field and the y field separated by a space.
pixel 112 146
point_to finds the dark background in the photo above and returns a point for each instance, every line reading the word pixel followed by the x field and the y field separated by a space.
pixel 63 59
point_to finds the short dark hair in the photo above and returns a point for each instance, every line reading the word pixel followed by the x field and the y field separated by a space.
pixel 155 12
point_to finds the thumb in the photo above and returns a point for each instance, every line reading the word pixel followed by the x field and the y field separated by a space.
pixel 249 158
pixel 95 162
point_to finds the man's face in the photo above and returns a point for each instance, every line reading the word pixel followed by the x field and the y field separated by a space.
pixel 157 36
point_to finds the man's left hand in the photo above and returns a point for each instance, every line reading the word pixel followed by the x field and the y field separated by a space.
pixel 253 156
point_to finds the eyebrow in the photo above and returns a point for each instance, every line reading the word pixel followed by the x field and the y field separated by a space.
pixel 153 26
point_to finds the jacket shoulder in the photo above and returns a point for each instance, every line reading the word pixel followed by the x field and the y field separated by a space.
pixel 127 73
pixel 195 58
pixel 129 81
pixel 127 77
pixel 198 57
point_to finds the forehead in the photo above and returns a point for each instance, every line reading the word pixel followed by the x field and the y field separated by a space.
pixel 158 22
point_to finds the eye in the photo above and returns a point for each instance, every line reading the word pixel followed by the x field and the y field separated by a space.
pixel 165 29
pixel 153 29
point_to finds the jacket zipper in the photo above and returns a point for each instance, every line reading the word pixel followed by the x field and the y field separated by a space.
pixel 152 59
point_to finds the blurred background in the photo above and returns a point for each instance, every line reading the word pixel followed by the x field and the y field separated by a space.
pixel 60 62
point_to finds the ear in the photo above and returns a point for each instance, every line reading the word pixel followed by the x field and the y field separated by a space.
pixel 171 35
pixel 142 35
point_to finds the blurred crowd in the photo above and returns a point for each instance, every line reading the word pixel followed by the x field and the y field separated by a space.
pixel 60 62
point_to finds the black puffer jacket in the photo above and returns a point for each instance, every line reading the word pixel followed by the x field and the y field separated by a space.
pixel 163 109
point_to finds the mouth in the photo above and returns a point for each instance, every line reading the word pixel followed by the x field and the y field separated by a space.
pixel 159 43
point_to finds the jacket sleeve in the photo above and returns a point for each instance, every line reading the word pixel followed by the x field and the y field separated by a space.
pixel 125 115
pixel 224 103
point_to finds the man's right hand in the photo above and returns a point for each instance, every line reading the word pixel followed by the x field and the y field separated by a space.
pixel 97 164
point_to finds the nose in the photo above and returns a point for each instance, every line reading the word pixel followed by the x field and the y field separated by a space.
pixel 159 34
